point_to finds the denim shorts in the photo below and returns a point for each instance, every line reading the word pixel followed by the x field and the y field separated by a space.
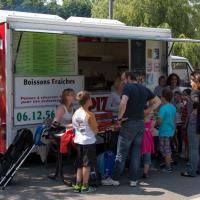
pixel 165 147
pixel 147 158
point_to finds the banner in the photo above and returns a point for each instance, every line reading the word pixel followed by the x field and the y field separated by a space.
pixel 35 98
pixel 43 91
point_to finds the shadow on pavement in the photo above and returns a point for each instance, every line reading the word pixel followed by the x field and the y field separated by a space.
pixel 31 182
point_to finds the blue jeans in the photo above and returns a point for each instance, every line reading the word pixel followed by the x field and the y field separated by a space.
pixel 194 140
pixel 129 141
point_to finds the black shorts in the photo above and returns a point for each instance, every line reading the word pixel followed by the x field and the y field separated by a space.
pixel 86 155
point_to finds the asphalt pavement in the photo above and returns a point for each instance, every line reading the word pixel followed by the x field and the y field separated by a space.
pixel 31 182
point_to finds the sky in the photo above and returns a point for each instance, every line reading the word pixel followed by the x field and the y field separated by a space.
pixel 60 2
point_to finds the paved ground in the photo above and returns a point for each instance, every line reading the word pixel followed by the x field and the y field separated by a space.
pixel 31 182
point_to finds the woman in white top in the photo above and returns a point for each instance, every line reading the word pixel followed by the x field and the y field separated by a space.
pixel 65 110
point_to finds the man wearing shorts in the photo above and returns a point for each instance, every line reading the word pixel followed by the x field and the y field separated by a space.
pixel 166 123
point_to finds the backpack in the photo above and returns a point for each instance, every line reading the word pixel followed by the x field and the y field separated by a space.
pixel 22 141
pixel 105 164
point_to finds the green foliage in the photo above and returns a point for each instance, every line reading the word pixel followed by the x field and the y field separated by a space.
pixel 53 8
pixel 100 9
pixel 190 51
pixel 32 6
pixel 149 13
pixel 81 8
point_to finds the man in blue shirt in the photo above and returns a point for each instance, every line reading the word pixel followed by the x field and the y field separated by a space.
pixel 133 102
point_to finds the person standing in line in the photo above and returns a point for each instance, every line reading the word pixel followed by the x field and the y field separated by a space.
pixel 133 102
pixel 86 127
pixel 114 98
pixel 113 106
pixel 173 83
pixel 167 125
pixel 161 85
pixel 193 127
pixel 147 145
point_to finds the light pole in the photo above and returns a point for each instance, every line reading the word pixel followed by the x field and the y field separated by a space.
pixel 111 9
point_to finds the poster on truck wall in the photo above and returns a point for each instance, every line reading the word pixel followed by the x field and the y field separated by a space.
pixel 35 98
pixel 44 54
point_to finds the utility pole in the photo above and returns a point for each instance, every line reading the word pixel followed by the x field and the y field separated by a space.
pixel 111 9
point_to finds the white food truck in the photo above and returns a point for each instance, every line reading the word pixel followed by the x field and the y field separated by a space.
pixel 40 55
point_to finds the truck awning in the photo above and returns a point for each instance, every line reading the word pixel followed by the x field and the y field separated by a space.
pixel 89 27
pixel 182 40
pixel 112 35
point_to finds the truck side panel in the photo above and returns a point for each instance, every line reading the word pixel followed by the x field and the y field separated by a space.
pixel 2 90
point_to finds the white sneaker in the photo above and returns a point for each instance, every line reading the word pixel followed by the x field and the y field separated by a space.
pixel 110 181
pixel 133 183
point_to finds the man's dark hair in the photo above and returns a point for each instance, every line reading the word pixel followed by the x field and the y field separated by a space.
pixel 177 93
pixel 167 95
pixel 187 91
pixel 131 75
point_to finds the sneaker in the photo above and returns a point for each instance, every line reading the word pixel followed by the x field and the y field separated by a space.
pixel 87 189
pixel 133 183
pixel 77 188
pixel 145 176
pixel 162 165
pixel 167 170
pixel 109 181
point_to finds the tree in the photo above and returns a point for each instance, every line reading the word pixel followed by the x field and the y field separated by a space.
pixel 24 5
pixel 32 6
pixel 150 13
pixel 190 51
pixel 81 8
pixel 53 8
pixel 100 8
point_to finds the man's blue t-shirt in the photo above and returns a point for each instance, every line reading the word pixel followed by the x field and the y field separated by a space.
pixel 168 114
pixel 138 95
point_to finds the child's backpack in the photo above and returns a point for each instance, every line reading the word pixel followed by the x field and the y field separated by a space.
pixel 105 164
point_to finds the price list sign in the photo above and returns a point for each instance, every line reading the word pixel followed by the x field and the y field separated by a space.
pixel 44 54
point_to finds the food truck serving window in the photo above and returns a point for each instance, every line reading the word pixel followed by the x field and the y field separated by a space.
pixel 101 60
pixel 43 54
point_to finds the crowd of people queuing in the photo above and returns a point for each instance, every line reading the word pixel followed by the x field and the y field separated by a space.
pixel 164 122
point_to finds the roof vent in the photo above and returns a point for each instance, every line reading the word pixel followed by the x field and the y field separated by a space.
pixel 96 21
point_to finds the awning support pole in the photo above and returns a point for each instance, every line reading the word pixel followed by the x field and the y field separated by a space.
pixel 170 49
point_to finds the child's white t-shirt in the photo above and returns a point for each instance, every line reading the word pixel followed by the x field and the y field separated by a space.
pixel 82 121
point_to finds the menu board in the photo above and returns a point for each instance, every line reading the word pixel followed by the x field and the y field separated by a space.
pixel 44 54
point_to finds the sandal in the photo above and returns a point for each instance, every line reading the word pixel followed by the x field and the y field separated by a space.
pixel 186 174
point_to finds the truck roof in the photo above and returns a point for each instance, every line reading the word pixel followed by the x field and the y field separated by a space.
pixel 178 58
pixel 5 14
pixel 81 26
